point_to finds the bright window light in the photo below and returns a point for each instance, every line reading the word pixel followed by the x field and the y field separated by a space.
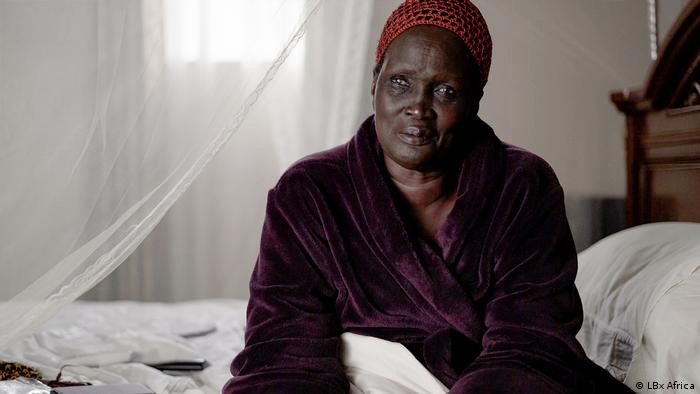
pixel 228 31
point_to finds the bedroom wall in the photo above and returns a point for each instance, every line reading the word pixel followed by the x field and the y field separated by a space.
pixel 554 66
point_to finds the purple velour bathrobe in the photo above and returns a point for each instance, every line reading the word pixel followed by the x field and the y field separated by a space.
pixel 491 308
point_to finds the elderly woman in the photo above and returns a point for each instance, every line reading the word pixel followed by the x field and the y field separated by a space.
pixel 425 230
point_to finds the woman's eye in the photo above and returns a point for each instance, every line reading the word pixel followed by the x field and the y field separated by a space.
pixel 399 82
pixel 446 92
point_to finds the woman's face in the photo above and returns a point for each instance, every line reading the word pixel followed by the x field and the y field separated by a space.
pixel 423 97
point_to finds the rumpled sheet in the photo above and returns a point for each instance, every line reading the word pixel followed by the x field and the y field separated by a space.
pixel 111 341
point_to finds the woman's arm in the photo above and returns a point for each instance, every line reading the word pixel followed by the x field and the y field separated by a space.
pixel 534 310
pixel 292 333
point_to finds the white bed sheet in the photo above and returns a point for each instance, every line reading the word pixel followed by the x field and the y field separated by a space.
pixel 115 337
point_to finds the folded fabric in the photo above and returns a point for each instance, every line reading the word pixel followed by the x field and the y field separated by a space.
pixel 376 366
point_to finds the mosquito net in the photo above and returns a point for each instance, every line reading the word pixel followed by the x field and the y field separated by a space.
pixel 98 141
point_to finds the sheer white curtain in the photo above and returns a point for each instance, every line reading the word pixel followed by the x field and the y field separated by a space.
pixel 207 244
pixel 110 110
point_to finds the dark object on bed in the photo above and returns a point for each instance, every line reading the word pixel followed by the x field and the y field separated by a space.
pixel 104 389
pixel 663 130
pixel 181 365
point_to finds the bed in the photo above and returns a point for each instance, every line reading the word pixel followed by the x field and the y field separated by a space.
pixel 640 288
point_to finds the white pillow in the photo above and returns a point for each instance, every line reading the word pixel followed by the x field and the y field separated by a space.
pixel 670 350
pixel 623 277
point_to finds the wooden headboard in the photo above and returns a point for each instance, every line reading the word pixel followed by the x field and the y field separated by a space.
pixel 663 130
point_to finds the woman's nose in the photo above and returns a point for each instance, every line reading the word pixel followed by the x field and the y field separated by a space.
pixel 420 107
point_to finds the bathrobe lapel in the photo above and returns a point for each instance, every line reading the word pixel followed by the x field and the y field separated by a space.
pixel 478 179
pixel 429 277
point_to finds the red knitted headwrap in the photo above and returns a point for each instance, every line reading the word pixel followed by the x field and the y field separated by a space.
pixel 458 16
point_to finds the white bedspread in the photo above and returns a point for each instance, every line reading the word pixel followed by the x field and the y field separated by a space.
pixel 112 341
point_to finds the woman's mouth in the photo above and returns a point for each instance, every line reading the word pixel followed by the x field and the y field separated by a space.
pixel 416 136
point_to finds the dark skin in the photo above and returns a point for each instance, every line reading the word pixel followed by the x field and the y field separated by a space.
pixel 424 96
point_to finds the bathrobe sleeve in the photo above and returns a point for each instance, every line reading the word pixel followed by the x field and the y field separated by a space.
pixel 533 311
pixel 292 333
